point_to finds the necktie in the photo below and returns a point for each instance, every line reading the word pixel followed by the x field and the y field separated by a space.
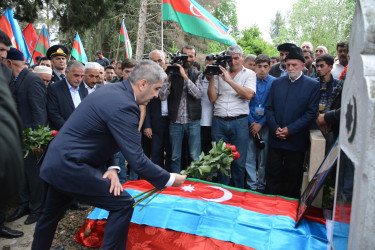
pixel 62 76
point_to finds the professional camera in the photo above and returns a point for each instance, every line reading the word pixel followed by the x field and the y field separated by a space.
pixel 176 58
pixel 220 59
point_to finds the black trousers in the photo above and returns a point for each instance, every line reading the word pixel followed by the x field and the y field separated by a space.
pixel 284 172
pixel 57 202
pixel 33 189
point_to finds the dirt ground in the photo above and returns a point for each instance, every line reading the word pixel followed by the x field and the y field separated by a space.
pixel 64 236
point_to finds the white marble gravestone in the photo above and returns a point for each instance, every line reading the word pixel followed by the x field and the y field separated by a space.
pixel 357 124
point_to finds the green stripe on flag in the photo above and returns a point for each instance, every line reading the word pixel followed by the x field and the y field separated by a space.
pixel 41 48
pixel 196 26
pixel 76 55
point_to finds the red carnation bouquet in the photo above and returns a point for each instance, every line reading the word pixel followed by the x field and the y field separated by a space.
pixel 219 158
pixel 35 140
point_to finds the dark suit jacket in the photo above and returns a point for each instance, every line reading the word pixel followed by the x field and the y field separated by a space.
pixel 106 122
pixel 60 103
pixel 293 105
pixel 276 72
pixel 154 119
pixel 30 93
pixel 54 77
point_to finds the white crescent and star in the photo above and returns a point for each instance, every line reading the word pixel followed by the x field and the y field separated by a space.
pixel 192 10
pixel 226 196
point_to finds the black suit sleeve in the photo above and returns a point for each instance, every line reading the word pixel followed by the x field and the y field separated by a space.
pixel 147 121
pixel 54 113
pixel 37 96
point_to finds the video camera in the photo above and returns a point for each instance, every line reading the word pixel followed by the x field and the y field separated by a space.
pixel 220 59
pixel 176 58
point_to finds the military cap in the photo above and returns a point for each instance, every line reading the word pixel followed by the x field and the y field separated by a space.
pixel 295 53
pixel 57 50
pixel 15 54
pixel 285 46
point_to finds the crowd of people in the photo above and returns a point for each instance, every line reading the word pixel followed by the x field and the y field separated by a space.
pixel 263 105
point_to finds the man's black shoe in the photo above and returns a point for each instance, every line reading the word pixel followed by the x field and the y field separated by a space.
pixel 33 217
pixel 6 232
pixel 78 206
pixel 21 211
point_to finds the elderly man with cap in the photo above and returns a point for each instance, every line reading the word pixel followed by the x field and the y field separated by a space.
pixel 291 108
pixel 29 92
pixel 45 73
pixel 57 54
pixel 279 69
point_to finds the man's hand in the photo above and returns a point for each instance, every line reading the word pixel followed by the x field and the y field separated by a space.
pixel 148 133
pixel 225 76
pixel 179 180
pixel 116 187
pixel 282 133
pixel 322 123
pixel 255 128
pixel 182 72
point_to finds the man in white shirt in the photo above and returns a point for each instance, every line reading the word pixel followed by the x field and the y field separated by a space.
pixel 231 92
pixel 343 59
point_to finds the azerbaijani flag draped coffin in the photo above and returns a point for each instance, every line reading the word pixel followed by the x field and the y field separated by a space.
pixel 205 215
pixel 196 20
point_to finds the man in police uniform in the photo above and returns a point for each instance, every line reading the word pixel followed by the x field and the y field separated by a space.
pixel 57 54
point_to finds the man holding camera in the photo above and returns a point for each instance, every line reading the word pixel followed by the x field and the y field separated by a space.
pixel 183 92
pixel 231 92
pixel 258 142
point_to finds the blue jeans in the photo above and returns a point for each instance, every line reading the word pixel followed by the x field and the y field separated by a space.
pixel 254 155
pixel 235 132
pixel 176 135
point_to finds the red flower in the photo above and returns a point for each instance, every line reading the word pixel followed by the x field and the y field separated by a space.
pixel 236 155
pixel 227 145
pixel 54 132
pixel 233 147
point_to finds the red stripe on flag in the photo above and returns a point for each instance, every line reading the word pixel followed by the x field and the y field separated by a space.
pixel 122 31
pixel 77 47
pixel 145 237
pixel 265 204
pixel 188 8
pixel 7 29
pixel 44 40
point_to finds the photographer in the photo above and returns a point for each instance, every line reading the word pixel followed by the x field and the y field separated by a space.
pixel 258 141
pixel 183 92
pixel 231 92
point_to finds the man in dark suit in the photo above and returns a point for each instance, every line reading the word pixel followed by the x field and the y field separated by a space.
pixel 29 92
pixel 292 107
pixel 106 122
pixel 156 125
pixel 57 54
pixel 279 69
pixel 65 95
pixel 11 157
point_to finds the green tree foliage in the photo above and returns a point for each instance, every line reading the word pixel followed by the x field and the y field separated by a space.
pixel 252 43
pixel 276 26
pixel 324 22
pixel 226 13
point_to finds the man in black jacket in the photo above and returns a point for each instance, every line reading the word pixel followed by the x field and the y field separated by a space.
pixel 183 92
pixel 29 92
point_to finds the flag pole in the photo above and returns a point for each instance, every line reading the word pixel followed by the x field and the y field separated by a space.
pixel 162 42
pixel 118 46
pixel 36 45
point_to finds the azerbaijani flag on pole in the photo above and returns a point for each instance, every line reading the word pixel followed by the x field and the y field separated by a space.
pixel 78 52
pixel 10 26
pixel 125 39
pixel 43 43
pixel 196 20
pixel 31 38
pixel 205 215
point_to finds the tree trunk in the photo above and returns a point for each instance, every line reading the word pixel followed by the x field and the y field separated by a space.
pixel 141 30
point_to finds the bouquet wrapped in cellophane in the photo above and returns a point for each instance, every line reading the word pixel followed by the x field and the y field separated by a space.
pixel 219 159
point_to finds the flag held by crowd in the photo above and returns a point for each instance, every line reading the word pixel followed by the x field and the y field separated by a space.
pixel 124 37
pixel 78 52
pixel 43 43
pixel 10 26
pixel 196 20
pixel 205 215
pixel 31 38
